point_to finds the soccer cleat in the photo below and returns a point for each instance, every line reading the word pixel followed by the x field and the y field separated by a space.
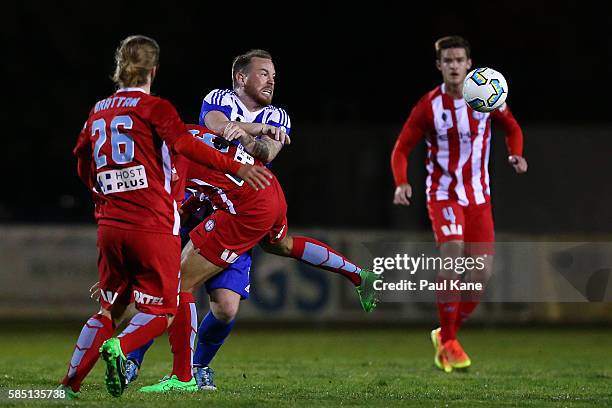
pixel 169 384
pixel 205 377
pixel 115 367
pixel 68 393
pixel 456 357
pixel 368 296
pixel 440 359
pixel 131 371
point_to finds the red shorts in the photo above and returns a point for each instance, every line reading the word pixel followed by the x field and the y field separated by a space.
pixel 472 224
pixel 144 265
pixel 223 237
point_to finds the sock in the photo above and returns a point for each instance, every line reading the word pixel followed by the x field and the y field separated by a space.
pixel 315 253
pixel 138 354
pixel 448 307
pixel 211 336
pixel 143 328
pixel 98 329
pixel 465 310
pixel 182 334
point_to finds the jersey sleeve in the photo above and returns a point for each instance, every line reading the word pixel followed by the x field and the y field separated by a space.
pixel 511 128
pixel 174 132
pixel 412 132
pixel 280 118
pixel 216 100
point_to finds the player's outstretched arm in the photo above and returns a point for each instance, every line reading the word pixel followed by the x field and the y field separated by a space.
pixel 257 177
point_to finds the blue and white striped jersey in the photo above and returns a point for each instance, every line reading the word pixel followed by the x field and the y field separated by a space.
pixel 227 102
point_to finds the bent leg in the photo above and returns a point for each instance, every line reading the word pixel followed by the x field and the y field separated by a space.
pixel 96 331
pixel 314 253
pixel 471 299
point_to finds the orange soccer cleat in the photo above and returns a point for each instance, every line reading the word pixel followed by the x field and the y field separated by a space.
pixel 455 356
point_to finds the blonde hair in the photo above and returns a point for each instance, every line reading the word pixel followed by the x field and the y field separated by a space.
pixel 135 57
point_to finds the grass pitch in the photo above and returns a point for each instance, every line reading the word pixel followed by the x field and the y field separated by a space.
pixel 310 367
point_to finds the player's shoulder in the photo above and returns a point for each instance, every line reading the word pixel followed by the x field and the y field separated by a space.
pixel 431 95
pixel 155 99
pixel 220 96
pixel 424 104
pixel 278 117
pixel 156 105
pixel 278 114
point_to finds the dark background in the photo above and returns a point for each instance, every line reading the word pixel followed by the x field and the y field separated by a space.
pixel 348 75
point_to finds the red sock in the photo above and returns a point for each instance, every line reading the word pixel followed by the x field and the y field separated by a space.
pixel 182 333
pixel 98 329
pixel 142 328
pixel 448 308
pixel 465 310
pixel 316 253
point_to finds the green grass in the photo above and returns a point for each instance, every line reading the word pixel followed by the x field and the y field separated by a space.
pixel 310 367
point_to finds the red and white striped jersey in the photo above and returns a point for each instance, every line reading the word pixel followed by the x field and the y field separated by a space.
pixel 458 146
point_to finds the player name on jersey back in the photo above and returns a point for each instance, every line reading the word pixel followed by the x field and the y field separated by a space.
pixel 120 180
pixel 116 102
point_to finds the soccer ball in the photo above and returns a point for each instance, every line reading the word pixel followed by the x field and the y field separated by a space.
pixel 485 89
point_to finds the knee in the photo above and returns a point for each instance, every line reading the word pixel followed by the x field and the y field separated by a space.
pixel 481 274
pixel 225 310
pixel 282 247
pixel 452 249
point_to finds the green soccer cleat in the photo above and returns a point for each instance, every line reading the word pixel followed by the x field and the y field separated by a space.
pixel 68 393
pixel 440 359
pixel 115 367
pixel 169 384
pixel 368 296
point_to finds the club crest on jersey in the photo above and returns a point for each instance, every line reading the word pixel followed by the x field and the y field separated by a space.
pixel 444 121
pixel 210 225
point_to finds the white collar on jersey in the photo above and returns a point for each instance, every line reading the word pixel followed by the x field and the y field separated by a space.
pixel 458 102
pixel 131 90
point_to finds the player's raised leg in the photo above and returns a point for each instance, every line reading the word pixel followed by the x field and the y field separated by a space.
pixel 320 255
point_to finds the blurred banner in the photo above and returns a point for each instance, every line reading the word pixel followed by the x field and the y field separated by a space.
pixel 47 272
